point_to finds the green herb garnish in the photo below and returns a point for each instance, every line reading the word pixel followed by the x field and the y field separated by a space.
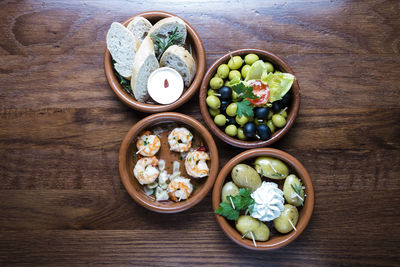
pixel 244 91
pixel 163 44
pixel 126 84
pixel 243 201
pixel 244 107
pixel 297 189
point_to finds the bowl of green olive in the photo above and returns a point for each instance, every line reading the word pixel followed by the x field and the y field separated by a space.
pixel 249 98
pixel 263 199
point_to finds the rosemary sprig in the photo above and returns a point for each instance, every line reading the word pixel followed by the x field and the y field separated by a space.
pixel 163 44
pixel 297 189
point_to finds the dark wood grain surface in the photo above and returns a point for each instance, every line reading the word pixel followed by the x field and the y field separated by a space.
pixel 61 198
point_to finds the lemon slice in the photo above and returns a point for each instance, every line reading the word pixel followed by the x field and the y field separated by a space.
pixel 256 71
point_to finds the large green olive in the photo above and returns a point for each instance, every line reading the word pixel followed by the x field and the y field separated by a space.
pixel 271 168
pixel 244 175
pixel 290 194
pixel 245 224
pixel 282 224
pixel 229 189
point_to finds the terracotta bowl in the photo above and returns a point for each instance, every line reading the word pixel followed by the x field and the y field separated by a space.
pixel 201 138
pixel 192 40
pixel 276 240
pixel 279 64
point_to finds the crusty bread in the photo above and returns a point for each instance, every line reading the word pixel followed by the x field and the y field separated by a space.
pixel 181 60
pixel 122 45
pixel 145 63
pixel 140 27
pixel 163 28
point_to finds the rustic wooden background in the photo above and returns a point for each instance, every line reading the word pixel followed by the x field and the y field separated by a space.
pixel 61 199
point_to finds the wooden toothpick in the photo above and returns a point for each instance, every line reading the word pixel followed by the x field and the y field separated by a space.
pixel 294 227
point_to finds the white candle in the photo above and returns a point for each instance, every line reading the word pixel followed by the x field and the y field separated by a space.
pixel 165 85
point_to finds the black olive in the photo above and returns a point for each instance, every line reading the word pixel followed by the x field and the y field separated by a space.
pixel 262 113
pixel 224 105
pixel 264 132
pixel 249 130
pixel 226 93
pixel 276 107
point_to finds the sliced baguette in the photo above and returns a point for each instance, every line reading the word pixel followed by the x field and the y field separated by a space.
pixel 140 27
pixel 122 45
pixel 145 63
pixel 163 28
pixel 181 60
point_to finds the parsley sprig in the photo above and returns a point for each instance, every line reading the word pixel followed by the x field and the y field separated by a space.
pixel 244 107
pixel 163 43
pixel 232 210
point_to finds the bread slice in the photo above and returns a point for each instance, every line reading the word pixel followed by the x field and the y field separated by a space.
pixel 163 28
pixel 145 63
pixel 140 27
pixel 181 60
pixel 122 45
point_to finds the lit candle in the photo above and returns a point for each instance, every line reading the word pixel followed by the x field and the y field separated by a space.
pixel 165 85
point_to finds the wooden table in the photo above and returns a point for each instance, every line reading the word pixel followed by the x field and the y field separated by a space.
pixel 61 198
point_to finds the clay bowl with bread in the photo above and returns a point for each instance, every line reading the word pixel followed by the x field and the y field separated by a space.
pixel 275 238
pixel 162 124
pixel 283 111
pixel 188 58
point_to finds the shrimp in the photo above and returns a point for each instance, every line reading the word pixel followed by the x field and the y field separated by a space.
pixel 180 189
pixel 148 144
pixel 195 163
pixel 146 171
pixel 180 140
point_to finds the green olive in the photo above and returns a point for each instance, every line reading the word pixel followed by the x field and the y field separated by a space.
pixel 213 101
pixel 216 83
pixel 210 92
pixel 270 114
pixel 270 67
pixel 245 70
pixel 240 134
pixel 235 62
pixel 231 109
pixel 271 167
pixel 247 226
pixel 258 121
pixel 235 96
pixel 241 120
pixel 214 112
pixel 278 120
pixel 220 120
pixel 283 113
pixel 282 224
pixel 229 189
pixel 271 126
pixel 223 71
pixel 234 74
pixel 231 130
pixel 251 58
pixel 290 194
pixel 245 176
pixel 227 83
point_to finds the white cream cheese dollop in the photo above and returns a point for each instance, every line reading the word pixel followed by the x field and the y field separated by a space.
pixel 165 85
pixel 268 202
